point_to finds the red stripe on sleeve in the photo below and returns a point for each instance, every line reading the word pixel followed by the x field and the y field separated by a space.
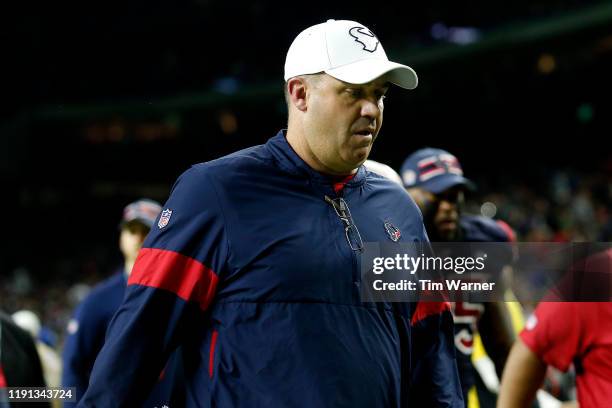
pixel 425 309
pixel 211 355
pixel 188 278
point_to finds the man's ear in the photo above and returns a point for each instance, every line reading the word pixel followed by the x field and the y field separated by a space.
pixel 296 89
pixel 420 197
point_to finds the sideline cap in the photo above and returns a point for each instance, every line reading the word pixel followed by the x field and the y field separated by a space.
pixel 434 170
pixel 144 211
pixel 346 50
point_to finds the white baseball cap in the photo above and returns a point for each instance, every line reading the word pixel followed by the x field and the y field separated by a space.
pixel 346 50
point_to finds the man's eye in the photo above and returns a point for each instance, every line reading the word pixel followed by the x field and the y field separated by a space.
pixel 380 95
pixel 355 93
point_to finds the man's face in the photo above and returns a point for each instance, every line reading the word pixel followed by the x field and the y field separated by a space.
pixel 342 121
pixel 132 236
pixel 440 211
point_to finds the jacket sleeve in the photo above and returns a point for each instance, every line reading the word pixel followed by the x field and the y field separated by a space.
pixel 173 282
pixel 435 378
pixel 434 374
pixel 83 342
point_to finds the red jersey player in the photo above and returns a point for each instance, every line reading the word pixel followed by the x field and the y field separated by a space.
pixel 559 334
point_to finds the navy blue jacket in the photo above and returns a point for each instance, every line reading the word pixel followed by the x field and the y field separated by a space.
pixel 250 271
pixel 85 338
pixel 86 330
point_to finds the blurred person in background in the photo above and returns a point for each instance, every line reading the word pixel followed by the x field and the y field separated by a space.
pixel 49 358
pixel 434 178
pixel 19 361
pixel 566 334
pixel 383 170
pixel 86 331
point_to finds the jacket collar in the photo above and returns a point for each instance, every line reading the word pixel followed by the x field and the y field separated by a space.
pixel 289 161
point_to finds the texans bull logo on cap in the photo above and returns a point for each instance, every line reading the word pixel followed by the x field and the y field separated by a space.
pixel 365 37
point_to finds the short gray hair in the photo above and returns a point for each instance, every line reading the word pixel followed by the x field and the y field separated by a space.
pixel 310 78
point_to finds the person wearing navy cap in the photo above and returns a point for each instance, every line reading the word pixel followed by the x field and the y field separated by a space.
pixel 86 330
pixel 434 179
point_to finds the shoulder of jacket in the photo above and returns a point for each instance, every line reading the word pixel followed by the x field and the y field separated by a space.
pixel 482 228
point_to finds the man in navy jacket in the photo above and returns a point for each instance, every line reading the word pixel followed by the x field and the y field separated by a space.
pixel 253 267
pixel 87 329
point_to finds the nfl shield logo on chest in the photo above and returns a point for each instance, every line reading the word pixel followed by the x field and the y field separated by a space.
pixel 394 233
pixel 164 218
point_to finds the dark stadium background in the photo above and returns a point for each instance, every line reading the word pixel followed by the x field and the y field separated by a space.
pixel 107 102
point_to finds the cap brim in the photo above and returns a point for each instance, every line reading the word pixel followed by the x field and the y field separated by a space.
pixel 439 184
pixel 367 70
pixel 145 222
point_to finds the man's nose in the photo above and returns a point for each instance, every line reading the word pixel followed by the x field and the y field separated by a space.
pixel 446 205
pixel 370 109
